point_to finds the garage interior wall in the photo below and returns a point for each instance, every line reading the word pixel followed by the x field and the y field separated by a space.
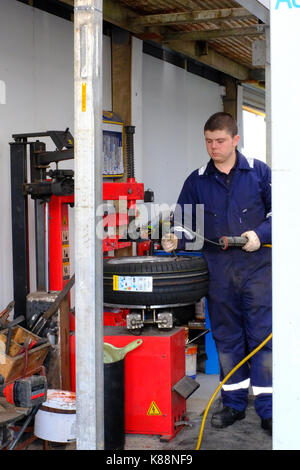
pixel 176 105
pixel 36 71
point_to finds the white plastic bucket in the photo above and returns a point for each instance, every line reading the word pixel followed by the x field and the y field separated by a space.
pixel 191 360
pixel 56 419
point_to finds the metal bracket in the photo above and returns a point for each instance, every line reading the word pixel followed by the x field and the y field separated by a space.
pixel 138 320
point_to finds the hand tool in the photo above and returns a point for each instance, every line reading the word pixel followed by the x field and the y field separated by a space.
pixel 199 336
pixel 4 314
pixel 32 343
pixel 38 323
pixel 13 323
pixel 26 392
pixel 9 327
pixel 8 340
pixel 29 392
pixel 226 242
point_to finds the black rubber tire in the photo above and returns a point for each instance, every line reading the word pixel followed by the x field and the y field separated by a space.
pixel 181 280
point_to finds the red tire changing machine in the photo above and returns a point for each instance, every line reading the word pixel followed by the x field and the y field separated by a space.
pixel 155 382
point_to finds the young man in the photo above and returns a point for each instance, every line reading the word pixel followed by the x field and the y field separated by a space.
pixel 236 194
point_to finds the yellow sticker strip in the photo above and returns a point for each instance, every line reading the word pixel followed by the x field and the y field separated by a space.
pixel 83 97
pixel 115 282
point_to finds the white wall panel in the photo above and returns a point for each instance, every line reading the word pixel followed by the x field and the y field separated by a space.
pixel 176 105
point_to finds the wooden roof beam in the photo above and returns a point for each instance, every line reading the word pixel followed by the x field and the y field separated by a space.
pixel 212 59
pixel 200 16
pixel 206 35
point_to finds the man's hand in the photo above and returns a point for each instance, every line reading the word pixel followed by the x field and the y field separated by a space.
pixel 253 243
pixel 169 242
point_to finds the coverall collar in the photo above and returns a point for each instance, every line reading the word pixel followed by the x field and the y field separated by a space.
pixel 240 164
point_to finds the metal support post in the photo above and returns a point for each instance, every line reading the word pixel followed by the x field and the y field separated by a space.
pixel 88 249
pixel 268 101
pixel 285 95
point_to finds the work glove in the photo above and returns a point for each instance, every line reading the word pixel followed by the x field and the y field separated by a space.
pixel 169 242
pixel 253 243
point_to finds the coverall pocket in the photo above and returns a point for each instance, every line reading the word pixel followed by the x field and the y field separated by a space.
pixel 251 213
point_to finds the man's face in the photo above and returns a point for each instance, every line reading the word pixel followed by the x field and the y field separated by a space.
pixel 221 145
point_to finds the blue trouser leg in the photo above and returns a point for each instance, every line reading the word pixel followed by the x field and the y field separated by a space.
pixel 227 327
pixel 257 302
pixel 235 391
pixel 239 305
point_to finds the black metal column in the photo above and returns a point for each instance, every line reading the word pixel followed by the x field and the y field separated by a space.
pixel 19 226
pixel 35 175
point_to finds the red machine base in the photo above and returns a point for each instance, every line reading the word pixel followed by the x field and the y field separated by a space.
pixel 151 372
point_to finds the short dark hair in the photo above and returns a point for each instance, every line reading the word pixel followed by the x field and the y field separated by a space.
pixel 220 122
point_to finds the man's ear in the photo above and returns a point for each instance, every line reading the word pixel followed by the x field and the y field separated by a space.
pixel 236 140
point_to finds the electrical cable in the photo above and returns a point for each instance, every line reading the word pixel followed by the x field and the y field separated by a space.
pixel 223 381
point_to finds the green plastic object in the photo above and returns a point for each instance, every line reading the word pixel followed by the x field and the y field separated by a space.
pixel 113 354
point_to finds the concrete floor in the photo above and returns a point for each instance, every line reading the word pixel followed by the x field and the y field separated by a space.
pixel 242 435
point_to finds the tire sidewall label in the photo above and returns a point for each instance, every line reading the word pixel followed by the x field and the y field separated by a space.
pixel 133 283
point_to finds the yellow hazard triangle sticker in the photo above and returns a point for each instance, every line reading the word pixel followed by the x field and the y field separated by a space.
pixel 154 410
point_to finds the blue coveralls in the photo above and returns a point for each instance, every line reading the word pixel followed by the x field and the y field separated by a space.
pixel 240 292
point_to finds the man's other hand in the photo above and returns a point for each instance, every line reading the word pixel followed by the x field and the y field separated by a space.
pixel 169 242
pixel 253 242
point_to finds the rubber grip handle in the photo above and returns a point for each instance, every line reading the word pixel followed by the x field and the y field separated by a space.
pixel 226 242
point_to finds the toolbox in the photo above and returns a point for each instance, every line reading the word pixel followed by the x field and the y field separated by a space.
pixel 25 354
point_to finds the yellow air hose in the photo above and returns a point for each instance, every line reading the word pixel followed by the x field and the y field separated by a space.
pixel 223 381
